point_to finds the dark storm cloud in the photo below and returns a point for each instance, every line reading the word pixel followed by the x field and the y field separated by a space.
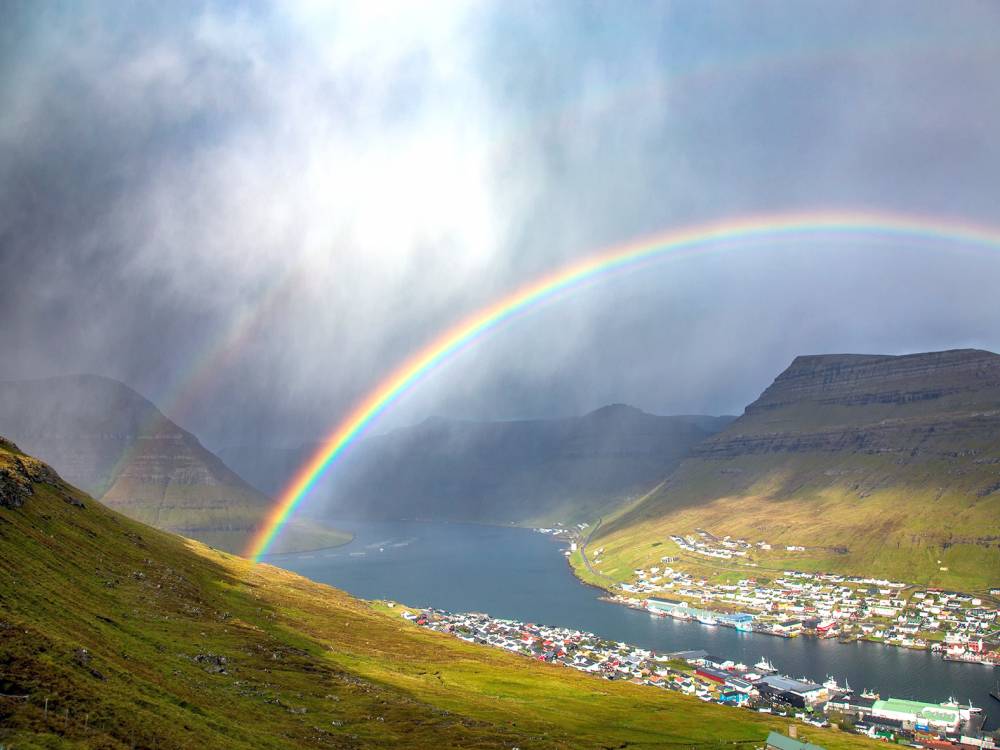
pixel 367 174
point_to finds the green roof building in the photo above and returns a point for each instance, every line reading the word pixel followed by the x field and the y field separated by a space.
pixel 918 713
pixel 777 741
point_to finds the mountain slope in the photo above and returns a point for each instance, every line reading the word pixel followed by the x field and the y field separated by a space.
pixel 521 471
pixel 106 438
pixel 889 463
pixel 115 635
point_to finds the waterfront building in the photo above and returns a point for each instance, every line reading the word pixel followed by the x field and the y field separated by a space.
pixel 918 715
pixel 793 692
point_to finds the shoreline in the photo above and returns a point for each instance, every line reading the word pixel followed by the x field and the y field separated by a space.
pixel 613 598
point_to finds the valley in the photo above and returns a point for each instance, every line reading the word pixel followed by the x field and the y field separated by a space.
pixel 115 635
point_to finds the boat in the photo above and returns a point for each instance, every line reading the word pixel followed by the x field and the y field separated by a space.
pixel 870 694
pixel 707 620
pixel 831 684
pixel 744 627
pixel 765 666
pixel 969 657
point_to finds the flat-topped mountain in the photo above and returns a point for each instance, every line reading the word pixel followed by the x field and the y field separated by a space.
pixel 101 435
pixel 521 471
pixel 892 460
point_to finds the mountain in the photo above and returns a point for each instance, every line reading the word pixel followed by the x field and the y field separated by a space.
pixel 522 471
pixel 116 635
pixel 878 464
pixel 106 438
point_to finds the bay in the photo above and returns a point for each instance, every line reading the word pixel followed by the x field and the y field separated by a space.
pixel 521 574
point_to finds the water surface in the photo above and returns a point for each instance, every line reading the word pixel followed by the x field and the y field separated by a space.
pixel 521 574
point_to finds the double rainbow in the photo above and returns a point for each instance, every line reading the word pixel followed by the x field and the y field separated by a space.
pixel 746 231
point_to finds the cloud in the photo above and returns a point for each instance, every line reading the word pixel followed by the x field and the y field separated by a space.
pixel 281 201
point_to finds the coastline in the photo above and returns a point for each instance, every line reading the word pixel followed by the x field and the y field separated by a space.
pixel 639 604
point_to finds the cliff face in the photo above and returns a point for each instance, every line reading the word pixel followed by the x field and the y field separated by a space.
pixel 939 406
pixel 858 452
pixel 107 439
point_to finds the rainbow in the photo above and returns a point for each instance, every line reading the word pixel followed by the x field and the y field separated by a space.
pixel 729 233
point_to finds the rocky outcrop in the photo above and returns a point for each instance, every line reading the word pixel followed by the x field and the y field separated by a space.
pixel 19 473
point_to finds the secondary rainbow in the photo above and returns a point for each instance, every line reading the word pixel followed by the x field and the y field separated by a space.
pixel 745 231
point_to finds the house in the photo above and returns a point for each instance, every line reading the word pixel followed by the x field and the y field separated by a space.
pixel 777 741
pixel 734 698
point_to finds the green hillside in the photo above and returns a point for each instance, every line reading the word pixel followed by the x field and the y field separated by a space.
pixel 876 464
pixel 115 635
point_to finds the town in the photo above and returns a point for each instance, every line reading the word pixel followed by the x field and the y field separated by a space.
pixel 716 679
pixel 788 603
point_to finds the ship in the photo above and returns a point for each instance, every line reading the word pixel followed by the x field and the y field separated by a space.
pixel 970 657
pixel 765 666
pixel 707 620
pixel 870 694
pixel 832 685
pixel 744 627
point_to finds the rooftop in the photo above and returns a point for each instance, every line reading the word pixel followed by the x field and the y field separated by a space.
pixel 919 708
pixel 781 742
pixel 789 685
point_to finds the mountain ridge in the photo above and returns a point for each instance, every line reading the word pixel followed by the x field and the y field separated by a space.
pixel 523 470
pixel 893 458
pixel 104 436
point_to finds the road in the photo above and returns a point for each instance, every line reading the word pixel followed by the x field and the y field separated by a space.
pixel 586 560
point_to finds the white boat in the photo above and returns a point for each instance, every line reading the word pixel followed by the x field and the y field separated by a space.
pixel 707 620
pixel 831 684
pixel 871 694
pixel 765 666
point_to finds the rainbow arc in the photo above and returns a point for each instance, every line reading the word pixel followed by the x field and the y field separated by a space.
pixel 744 232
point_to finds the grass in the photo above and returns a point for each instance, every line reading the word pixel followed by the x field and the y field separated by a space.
pixel 118 635
pixel 908 528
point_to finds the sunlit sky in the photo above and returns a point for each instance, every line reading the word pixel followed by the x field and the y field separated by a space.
pixel 250 212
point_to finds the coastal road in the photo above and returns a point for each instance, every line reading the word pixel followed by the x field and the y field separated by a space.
pixel 586 560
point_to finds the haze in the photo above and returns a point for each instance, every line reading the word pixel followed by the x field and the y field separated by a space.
pixel 251 213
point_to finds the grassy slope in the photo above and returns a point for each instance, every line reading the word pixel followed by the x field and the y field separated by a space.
pixel 902 487
pixel 306 665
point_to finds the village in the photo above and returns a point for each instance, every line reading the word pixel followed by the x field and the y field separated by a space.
pixel 789 603
pixel 716 679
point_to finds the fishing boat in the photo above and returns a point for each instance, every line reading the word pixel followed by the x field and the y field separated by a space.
pixel 744 627
pixel 765 666
pixel 707 620
pixel 870 694
pixel 832 685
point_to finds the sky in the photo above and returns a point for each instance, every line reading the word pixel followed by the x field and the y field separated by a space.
pixel 251 212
